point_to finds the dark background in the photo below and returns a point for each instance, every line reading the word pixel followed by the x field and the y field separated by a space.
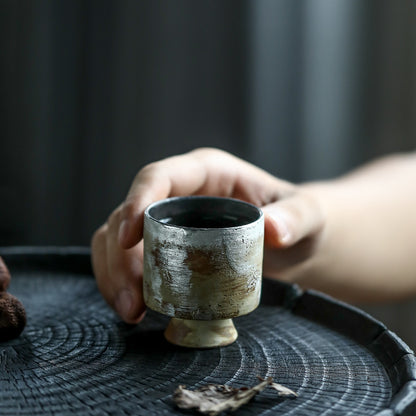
pixel 90 91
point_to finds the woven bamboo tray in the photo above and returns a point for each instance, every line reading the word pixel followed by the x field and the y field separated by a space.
pixel 75 357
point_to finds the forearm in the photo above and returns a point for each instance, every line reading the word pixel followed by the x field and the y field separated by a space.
pixel 367 249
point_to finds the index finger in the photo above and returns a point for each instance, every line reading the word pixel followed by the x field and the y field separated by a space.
pixel 175 176
pixel 203 171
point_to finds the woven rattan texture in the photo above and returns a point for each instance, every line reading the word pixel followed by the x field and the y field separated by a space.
pixel 76 357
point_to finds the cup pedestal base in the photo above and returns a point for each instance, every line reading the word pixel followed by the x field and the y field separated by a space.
pixel 201 334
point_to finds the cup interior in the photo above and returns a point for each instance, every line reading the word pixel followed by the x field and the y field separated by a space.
pixel 204 212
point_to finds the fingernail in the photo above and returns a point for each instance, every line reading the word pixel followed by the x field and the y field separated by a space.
pixel 124 304
pixel 123 231
pixel 284 235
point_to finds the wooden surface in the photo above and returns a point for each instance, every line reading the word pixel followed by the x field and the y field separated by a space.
pixel 76 357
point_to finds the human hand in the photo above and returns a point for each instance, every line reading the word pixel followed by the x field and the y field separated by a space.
pixel 293 220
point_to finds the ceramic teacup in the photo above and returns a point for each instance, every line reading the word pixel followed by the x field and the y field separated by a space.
pixel 202 266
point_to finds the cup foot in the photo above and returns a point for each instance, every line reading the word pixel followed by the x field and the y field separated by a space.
pixel 201 334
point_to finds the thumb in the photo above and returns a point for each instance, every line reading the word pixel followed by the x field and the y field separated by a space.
pixel 291 219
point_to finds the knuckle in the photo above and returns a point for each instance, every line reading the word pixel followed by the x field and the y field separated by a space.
pixel 114 217
pixel 129 208
pixel 208 152
pixel 98 236
pixel 149 170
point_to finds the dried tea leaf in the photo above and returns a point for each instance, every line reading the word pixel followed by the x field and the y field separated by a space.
pixel 281 390
pixel 213 399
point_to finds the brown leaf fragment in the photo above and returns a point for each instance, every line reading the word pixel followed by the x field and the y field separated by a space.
pixel 212 399
pixel 282 391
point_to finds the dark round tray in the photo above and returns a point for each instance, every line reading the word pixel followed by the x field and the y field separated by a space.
pixel 76 357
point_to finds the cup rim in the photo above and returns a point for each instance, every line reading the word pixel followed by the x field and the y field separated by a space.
pixel 259 212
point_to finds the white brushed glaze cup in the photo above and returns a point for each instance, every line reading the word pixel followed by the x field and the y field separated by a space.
pixel 202 266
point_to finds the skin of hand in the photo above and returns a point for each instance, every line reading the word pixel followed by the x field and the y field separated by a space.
pixel 294 220
pixel 367 247
pixel 352 237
